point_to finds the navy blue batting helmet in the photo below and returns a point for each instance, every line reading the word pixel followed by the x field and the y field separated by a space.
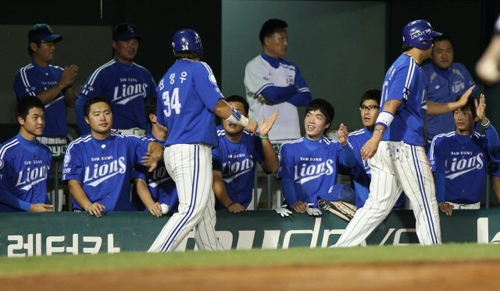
pixel 419 34
pixel 187 40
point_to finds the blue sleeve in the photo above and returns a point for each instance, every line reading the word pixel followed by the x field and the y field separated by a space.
pixel 73 168
pixel 8 199
pixel 440 181
pixel 289 191
pixel 152 90
pixel 301 99
pixel 279 94
pixel 401 84
pixel 139 147
pixel 436 156
pixel 347 158
pixel 206 85
pixel 259 149
pixel 493 140
pixel 21 87
pixel 139 172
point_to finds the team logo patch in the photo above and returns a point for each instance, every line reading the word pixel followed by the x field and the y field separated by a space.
pixel 212 79
pixel 67 158
pixel 1 163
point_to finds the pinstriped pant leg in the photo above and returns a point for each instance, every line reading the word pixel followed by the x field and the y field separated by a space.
pixel 384 191
pixel 418 184
pixel 204 234
pixel 186 164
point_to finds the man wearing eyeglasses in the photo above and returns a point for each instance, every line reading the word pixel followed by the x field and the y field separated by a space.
pixel 361 171
pixel 53 85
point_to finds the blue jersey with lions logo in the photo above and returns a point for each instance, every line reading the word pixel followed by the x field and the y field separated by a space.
pixel 24 171
pixel 104 168
pixel 463 160
pixel 313 168
pixel 236 162
pixel 127 87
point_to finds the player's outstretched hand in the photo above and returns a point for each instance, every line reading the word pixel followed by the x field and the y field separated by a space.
pixel 446 208
pixel 154 155
pixel 265 126
pixel 343 134
pixel 300 207
pixel 481 109
pixel 95 209
pixel 155 209
pixel 236 208
pixel 369 149
pixel 465 97
pixel 40 207
pixel 252 125
pixel 283 211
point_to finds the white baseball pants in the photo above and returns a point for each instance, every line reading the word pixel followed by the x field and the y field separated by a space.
pixel 396 166
pixel 190 166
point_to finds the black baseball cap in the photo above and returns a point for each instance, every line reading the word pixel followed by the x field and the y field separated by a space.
pixel 42 31
pixel 125 31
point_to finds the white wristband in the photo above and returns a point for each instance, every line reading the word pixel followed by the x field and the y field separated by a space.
pixel 385 119
pixel 243 121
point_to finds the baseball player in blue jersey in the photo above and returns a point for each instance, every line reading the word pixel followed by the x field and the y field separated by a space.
pixel 396 150
pixel 51 84
pixel 272 83
pixel 460 159
pixel 188 97
pixel 156 189
pixel 361 172
pixel 25 163
pixel 444 81
pixel 126 84
pixel 309 165
pixel 98 166
pixel 234 160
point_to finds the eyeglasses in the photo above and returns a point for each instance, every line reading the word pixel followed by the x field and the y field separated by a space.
pixel 369 107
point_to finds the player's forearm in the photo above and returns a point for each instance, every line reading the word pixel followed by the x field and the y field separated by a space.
pixel 144 193
pixel 70 96
pixel 49 95
pixel 301 99
pixel 8 199
pixel 78 193
pixel 155 149
pixel 220 189
pixel 223 109
pixel 434 108
pixel 271 162
pixel 279 94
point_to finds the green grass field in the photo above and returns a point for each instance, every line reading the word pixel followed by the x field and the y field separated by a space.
pixel 252 258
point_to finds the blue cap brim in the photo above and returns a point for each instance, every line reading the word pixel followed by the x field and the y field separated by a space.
pixel 52 38
pixel 435 33
pixel 128 36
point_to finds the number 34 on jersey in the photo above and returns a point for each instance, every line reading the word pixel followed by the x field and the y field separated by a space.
pixel 171 100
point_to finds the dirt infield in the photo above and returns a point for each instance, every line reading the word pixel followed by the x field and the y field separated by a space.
pixel 459 275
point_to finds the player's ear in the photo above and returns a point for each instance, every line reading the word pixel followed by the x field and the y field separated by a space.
pixel 87 120
pixel 20 120
pixel 33 46
pixel 327 126
pixel 115 44
pixel 152 118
